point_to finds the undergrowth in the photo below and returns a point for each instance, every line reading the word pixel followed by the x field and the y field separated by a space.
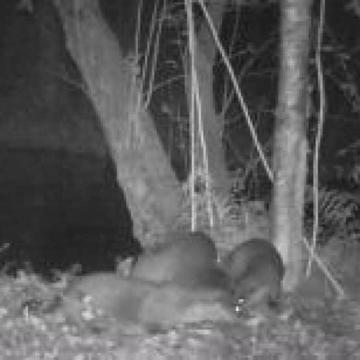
pixel 304 330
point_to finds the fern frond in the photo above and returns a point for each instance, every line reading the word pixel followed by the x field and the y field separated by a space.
pixel 337 214
pixel 336 206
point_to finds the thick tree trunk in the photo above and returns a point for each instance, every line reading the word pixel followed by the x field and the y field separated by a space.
pixel 143 170
pixel 290 139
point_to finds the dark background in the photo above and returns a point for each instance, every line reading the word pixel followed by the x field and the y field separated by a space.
pixel 59 201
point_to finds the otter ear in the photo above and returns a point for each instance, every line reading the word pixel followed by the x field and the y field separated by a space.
pixel 124 267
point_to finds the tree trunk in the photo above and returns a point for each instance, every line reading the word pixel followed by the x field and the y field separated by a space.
pixel 143 169
pixel 289 152
pixel 212 123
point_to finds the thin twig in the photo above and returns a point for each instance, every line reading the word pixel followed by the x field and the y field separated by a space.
pixel 189 17
pixel 155 57
pixel 231 48
pixel 338 288
pixel 322 104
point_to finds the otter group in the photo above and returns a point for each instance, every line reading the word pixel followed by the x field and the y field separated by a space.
pixel 163 282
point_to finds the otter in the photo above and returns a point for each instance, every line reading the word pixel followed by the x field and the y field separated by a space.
pixel 255 270
pixel 132 301
pixel 186 259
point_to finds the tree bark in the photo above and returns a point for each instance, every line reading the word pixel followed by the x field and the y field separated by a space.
pixel 289 151
pixel 143 169
pixel 212 123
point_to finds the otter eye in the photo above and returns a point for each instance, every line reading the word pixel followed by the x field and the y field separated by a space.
pixel 239 306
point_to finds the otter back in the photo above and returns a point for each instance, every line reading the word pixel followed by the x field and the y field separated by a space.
pixel 126 300
pixel 255 270
pixel 110 294
pixel 187 258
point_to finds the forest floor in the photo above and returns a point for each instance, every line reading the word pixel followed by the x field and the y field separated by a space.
pixel 307 327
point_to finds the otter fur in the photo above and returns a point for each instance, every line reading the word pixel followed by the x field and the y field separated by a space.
pixel 187 259
pixel 255 270
pixel 134 301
